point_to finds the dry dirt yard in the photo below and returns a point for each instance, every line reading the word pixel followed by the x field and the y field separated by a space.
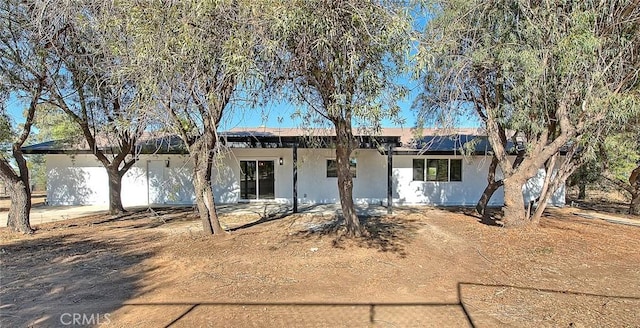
pixel 420 267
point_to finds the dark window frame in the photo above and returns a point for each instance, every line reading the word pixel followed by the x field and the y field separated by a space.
pixel 437 164
pixel 418 172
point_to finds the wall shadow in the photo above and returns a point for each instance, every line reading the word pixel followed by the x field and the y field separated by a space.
pixel 68 186
pixel 169 185
pixel 46 280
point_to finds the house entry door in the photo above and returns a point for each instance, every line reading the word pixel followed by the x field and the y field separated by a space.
pixel 257 180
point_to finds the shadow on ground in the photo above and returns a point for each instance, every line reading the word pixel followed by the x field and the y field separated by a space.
pixel 600 205
pixel 159 216
pixel 492 217
pixel 386 234
pixel 47 282
pixel 459 313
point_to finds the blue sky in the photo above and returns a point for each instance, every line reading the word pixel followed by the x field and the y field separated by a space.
pixel 271 115
pixel 279 114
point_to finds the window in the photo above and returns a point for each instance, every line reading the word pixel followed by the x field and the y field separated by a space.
pixel 456 170
pixel 332 168
pixel 437 170
pixel 418 169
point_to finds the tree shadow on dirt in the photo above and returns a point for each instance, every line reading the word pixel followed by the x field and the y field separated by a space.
pixel 51 281
pixel 159 216
pixel 271 212
pixel 600 205
pixel 385 233
pixel 492 217
pixel 263 219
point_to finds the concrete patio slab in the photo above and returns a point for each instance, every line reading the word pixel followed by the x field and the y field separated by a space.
pixel 45 214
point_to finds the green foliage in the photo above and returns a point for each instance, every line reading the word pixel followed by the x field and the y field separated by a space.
pixel 53 124
pixel 588 173
pixel 341 59
pixel 555 75
pixel 518 61
pixel 622 154
pixel 192 57
pixel 37 170
pixel 6 132
pixel 85 69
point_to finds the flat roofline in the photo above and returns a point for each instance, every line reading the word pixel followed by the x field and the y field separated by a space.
pixel 175 145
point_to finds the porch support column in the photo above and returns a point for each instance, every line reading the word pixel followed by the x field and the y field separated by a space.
pixel 389 179
pixel 295 177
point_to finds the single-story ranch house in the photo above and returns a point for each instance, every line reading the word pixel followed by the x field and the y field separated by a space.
pixel 290 166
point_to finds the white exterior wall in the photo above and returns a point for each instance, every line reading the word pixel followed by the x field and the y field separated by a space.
pixel 171 184
pixel 465 192
pixel 82 180
pixel 532 189
pixel 314 187
pixel 76 180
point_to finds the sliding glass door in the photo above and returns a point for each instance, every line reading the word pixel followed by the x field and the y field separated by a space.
pixel 257 180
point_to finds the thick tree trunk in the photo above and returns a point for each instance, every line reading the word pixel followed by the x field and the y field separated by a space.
pixel 345 188
pixel 19 190
pixel 204 192
pixel 582 190
pixel 344 148
pixel 514 208
pixel 18 216
pixel 18 183
pixel 115 191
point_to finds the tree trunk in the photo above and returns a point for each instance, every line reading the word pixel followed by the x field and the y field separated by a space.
pixel 345 181
pixel 488 192
pixel 18 216
pixel 492 186
pixel 547 190
pixel 634 182
pixel 514 208
pixel 542 204
pixel 115 191
pixel 582 190
pixel 18 183
pixel 634 207
pixel 204 192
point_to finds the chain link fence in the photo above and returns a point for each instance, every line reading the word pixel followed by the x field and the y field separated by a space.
pixel 321 315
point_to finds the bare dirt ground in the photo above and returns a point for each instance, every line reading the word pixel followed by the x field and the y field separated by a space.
pixel 602 198
pixel 37 199
pixel 419 268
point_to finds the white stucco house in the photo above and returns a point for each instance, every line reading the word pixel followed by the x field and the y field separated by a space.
pixel 287 166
